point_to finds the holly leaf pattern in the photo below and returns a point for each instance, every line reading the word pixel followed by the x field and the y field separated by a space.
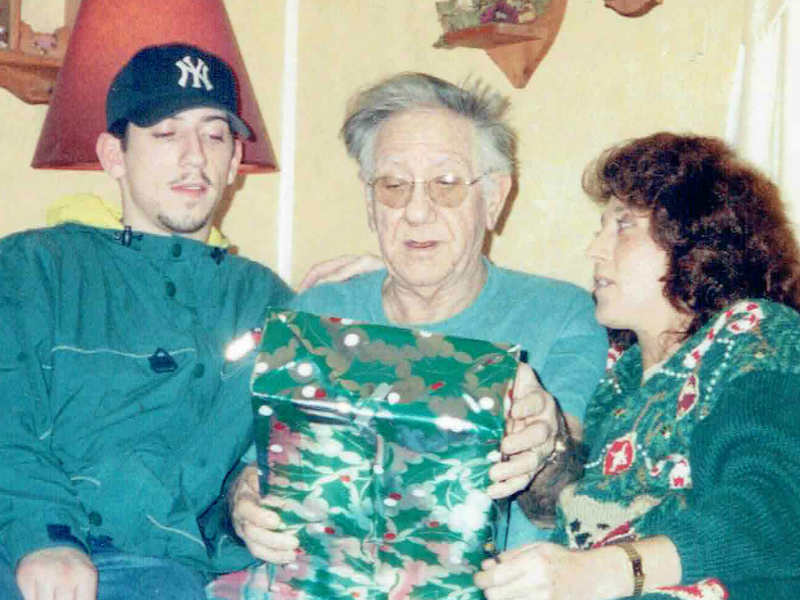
pixel 383 455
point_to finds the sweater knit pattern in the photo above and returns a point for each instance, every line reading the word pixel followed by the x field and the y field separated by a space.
pixel 639 434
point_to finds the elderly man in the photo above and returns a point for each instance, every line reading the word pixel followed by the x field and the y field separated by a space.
pixel 436 162
pixel 121 417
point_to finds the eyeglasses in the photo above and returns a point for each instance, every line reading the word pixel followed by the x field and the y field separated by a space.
pixel 444 190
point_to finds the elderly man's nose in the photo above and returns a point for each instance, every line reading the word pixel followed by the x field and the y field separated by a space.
pixel 420 206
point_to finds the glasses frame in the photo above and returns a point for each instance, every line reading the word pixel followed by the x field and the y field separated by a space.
pixel 427 183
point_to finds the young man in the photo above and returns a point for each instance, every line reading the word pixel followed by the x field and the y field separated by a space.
pixel 122 419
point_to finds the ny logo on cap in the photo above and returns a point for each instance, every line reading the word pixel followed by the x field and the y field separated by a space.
pixel 199 73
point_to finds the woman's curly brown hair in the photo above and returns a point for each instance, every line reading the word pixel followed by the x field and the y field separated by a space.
pixel 721 222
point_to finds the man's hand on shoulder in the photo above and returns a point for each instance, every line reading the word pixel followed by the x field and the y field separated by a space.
pixel 257 526
pixel 339 269
pixel 55 573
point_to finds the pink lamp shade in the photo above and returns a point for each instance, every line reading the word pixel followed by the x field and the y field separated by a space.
pixel 106 35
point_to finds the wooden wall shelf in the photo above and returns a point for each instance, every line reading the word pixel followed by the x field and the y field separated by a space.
pixel 491 35
pixel 30 64
pixel 516 48
pixel 29 77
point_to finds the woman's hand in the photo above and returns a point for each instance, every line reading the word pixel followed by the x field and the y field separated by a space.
pixel 545 571
pixel 258 527
pixel 540 571
pixel 530 435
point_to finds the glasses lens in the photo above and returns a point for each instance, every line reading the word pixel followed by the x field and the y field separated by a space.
pixel 392 191
pixel 447 191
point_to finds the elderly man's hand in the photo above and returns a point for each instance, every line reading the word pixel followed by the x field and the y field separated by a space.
pixel 258 527
pixel 339 269
pixel 57 572
pixel 530 435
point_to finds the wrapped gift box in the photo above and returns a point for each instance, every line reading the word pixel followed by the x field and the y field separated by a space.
pixel 376 442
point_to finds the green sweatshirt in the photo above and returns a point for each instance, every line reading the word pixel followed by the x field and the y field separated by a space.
pixel 121 417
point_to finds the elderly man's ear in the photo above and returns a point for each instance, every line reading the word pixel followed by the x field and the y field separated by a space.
pixel 370 209
pixel 495 198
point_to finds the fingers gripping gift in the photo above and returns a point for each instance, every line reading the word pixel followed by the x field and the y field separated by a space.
pixel 376 442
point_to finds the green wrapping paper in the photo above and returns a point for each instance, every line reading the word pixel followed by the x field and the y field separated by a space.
pixel 378 440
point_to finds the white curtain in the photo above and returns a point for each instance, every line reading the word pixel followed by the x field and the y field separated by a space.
pixel 764 115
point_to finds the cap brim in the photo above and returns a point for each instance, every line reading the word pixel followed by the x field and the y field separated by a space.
pixel 159 109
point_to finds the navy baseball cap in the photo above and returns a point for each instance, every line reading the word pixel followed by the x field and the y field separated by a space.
pixel 161 81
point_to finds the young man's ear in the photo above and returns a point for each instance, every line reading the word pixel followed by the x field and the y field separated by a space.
pixel 236 160
pixel 496 198
pixel 112 156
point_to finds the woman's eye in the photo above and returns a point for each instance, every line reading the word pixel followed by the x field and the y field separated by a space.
pixel 163 135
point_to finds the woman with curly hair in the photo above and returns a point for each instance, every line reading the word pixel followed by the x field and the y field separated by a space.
pixel 691 486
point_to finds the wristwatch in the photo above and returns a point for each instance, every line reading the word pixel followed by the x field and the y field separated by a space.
pixel 636 567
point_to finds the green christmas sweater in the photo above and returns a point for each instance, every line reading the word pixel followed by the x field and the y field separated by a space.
pixel 707 452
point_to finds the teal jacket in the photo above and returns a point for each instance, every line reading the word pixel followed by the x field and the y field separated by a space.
pixel 121 418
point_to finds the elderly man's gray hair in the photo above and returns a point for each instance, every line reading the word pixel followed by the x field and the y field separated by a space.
pixel 496 142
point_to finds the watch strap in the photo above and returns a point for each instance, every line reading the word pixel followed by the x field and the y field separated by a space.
pixel 636 567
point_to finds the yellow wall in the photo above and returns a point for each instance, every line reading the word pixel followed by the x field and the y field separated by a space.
pixel 605 78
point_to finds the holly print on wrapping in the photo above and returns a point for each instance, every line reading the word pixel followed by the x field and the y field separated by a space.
pixel 378 441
